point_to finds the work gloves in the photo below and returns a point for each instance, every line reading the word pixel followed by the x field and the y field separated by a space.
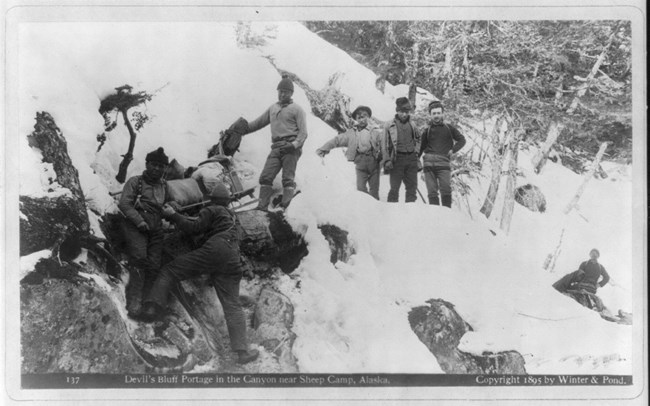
pixel 321 153
pixel 388 166
pixel 143 227
pixel 168 210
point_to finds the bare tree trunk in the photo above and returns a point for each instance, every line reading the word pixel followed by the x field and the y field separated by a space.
pixel 509 202
pixel 497 163
pixel 128 157
pixel 592 74
pixel 587 178
pixel 554 131
pixel 411 73
pixel 549 263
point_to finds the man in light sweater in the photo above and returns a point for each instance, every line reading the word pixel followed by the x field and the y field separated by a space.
pixel 288 133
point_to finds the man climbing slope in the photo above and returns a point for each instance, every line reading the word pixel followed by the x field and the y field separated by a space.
pixel 218 257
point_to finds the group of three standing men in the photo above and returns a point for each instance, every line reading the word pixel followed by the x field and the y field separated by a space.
pixel 398 148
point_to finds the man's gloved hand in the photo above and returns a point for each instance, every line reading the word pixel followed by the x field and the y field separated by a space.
pixel 168 211
pixel 388 166
pixel 143 227
pixel 321 153
pixel 175 205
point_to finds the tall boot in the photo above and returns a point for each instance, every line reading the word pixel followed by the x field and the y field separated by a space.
pixel 133 292
pixel 446 200
pixel 265 197
pixel 287 195
pixel 434 200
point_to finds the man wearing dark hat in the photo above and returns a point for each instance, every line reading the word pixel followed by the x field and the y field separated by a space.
pixel 217 257
pixel 288 134
pixel 440 141
pixel 363 144
pixel 401 146
pixel 141 203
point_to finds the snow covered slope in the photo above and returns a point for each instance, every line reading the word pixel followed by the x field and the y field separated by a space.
pixel 350 317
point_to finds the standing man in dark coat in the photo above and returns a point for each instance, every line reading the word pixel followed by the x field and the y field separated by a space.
pixel 401 148
pixel 141 203
pixel 218 257
pixel 363 144
pixel 440 141
pixel 288 133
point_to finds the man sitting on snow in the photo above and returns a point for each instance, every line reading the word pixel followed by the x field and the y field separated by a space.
pixel 141 202
pixel 288 133
pixel 585 279
pixel 363 148
pixel 218 257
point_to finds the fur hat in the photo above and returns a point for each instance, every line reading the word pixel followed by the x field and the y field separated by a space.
pixel 362 108
pixel 435 104
pixel 285 83
pixel 157 156
pixel 402 104
pixel 220 192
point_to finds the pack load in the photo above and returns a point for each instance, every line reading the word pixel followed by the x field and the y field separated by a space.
pixel 231 138
pixel 184 191
pixel 212 172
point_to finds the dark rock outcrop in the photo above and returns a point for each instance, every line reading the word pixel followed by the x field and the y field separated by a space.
pixel 48 222
pixel 340 247
pixel 531 197
pixel 268 240
pixel 440 328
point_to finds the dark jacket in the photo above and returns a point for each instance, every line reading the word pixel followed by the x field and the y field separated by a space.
pixel 437 142
pixel 148 206
pixel 350 139
pixel 213 220
pixel 589 273
pixel 288 123
pixel 389 144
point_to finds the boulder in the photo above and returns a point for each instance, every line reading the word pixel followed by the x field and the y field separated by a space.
pixel 70 327
pixel 272 322
pixel 531 197
pixel 441 328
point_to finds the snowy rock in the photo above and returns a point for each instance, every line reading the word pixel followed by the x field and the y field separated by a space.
pixel 70 327
pixel 531 197
pixel 46 221
pixel 269 240
pixel 440 328
pixel 272 322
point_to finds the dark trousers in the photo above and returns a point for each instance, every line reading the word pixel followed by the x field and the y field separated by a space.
pixel 405 169
pixel 220 259
pixel 367 169
pixel 145 253
pixel 278 160
pixel 437 179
